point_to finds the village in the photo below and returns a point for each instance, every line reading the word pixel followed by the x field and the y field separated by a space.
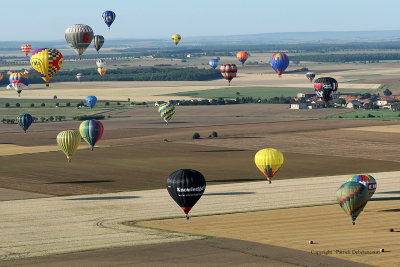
pixel 348 100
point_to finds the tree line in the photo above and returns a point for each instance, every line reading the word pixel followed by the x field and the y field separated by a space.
pixel 131 74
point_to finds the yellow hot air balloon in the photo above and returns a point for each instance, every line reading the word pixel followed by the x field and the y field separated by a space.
pixel 68 141
pixel 47 62
pixel 176 38
pixel 102 71
pixel 269 160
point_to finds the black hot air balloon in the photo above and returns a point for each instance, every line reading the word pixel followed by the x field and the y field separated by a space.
pixel 186 187
pixel 25 120
pixel 325 87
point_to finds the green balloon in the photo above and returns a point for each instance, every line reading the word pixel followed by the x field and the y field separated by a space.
pixel 352 198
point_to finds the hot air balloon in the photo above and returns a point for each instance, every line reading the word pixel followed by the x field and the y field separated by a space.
pixel 1 76
pixel 26 48
pixel 268 161
pixel 68 141
pixel 242 56
pixel 25 120
pixel 47 62
pixel 228 71
pixel 176 38
pixel 186 187
pixel 18 80
pixel 102 71
pixel 91 101
pixel 324 87
pixel 109 17
pixel 98 41
pixel 279 62
pixel 367 180
pixel 166 110
pixel 91 131
pixel 80 76
pixel 79 37
pixel 310 76
pixel 352 198
pixel 213 62
pixel 100 63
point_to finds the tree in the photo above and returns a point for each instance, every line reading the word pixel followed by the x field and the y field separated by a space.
pixel 7 105
pixel 369 105
pixel 17 105
pixel 107 103
pixel 387 92
pixel 43 105
pixel 51 118
pixel 196 136
pixel 55 97
pixel 341 101
pixel 42 119
pixel 68 104
pixel 32 105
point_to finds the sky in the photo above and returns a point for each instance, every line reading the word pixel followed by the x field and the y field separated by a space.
pixel 31 21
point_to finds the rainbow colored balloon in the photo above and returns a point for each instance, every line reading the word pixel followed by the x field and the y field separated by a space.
pixel 367 180
pixel 352 198
pixel 228 71
pixel 279 62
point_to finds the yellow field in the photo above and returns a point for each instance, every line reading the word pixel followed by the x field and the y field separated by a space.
pixel 328 226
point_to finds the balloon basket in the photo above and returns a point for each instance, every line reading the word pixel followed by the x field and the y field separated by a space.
pixel 187 217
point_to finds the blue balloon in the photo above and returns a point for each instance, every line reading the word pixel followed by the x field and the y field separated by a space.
pixel 279 62
pixel 25 120
pixel 109 17
pixel 91 101
pixel 213 63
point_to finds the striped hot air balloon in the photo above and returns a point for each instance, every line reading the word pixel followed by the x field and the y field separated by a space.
pixel 279 62
pixel 24 121
pixel 68 141
pixel 352 198
pixel 269 161
pixel 79 37
pixel 98 41
pixel 166 110
pixel 80 76
pixel 228 71
pixel 367 180
pixel 91 131
pixel 310 76
pixel 26 48
pixel 242 56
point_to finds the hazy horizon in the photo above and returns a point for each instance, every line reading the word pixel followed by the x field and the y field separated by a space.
pixel 156 19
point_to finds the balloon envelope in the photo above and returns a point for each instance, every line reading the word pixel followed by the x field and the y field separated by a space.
pixel 176 38
pixel 166 110
pixel 242 56
pixel 1 76
pixel 213 62
pixel 269 161
pixel 352 198
pixel 80 76
pixel 100 63
pixel 68 141
pixel 310 76
pixel 279 62
pixel 102 71
pixel 91 131
pixel 24 121
pixel 26 48
pixel 186 187
pixel 79 37
pixel 108 17
pixel 18 80
pixel 47 62
pixel 98 41
pixel 91 101
pixel 367 180
pixel 324 87
pixel 228 71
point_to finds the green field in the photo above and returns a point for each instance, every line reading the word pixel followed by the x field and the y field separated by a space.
pixel 255 92
pixel 381 114
pixel 50 108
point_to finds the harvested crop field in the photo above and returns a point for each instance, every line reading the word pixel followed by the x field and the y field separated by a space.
pixel 327 226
